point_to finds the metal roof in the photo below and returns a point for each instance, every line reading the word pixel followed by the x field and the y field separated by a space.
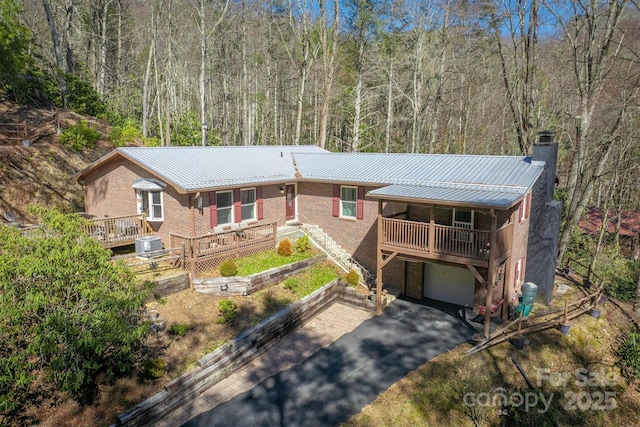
pixel 203 168
pixel 473 179
pixel 418 169
pixel 148 184
pixel 461 195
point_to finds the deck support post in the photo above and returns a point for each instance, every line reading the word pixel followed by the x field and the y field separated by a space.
pixel 492 271
pixel 379 262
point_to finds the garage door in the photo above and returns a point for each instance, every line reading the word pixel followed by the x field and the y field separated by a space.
pixel 448 283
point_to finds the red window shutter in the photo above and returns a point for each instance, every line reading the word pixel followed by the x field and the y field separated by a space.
pixel 522 269
pixel 360 204
pixel 260 203
pixel 213 209
pixel 526 214
pixel 237 205
pixel 336 200
pixel 520 210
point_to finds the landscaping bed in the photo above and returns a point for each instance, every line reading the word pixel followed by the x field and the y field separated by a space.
pixel 197 316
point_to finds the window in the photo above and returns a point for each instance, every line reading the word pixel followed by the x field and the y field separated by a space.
pixel 518 276
pixel 248 203
pixel 150 202
pixel 348 201
pixel 224 203
pixel 525 206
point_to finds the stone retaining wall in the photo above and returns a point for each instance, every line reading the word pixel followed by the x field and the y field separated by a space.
pixel 349 296
pixel 245 285
pixel 220 363
pixel 170 285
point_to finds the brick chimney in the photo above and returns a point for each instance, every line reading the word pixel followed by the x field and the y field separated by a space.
pixel 544 225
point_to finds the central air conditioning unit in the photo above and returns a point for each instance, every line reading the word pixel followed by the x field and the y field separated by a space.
pixel 146 244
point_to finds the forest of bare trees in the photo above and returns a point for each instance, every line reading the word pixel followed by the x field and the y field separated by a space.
pixel 437 76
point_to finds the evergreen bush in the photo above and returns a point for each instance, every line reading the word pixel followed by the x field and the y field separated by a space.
pixel 284 247
pixel 228 268
pixel 80 136
pixel 153 369
pixel 228 310
pixel 353 278
pixel 303 244
pixel 629 353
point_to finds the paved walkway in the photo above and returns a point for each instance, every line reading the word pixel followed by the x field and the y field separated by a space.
pixel 336 380
pixel 292 350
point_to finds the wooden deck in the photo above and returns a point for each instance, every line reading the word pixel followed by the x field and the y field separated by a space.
pixel 207 251
pixel 119 231
pixel 441 242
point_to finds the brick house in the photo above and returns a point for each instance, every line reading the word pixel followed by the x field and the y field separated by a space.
pixel 436 226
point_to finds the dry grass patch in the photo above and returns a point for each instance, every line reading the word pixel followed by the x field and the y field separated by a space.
pixel 569 391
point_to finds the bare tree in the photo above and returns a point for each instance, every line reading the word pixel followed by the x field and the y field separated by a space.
pixel 518 62
pixel 329 47
pixel 204 35
pixel 55 40
pixel 595 42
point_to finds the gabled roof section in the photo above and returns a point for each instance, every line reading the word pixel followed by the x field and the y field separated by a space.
pixel 192 169
pixel 480 180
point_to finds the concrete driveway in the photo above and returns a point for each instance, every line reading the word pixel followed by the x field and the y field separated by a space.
pixel 339 380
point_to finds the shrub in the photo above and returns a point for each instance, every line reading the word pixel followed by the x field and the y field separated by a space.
pixel 82 97
pixel 70 317
pixel 629 353
pixel 353 278
pixel 228 310
pixel 284 247
pixel 80 136
pixel 128 132
pixel 303 244
pixel 179 329
pixel 153 369
pixel 228 268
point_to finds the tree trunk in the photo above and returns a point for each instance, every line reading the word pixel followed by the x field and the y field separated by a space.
pixel 55 39
pixel 68 36
pixel 145 89
pixel 389 120
pixel 417 92
pixel 102 77
pixel 246 138
pixel 203 82
pixel 357 104
pixel 329 56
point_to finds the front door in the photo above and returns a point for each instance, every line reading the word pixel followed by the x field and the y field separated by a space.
pixel 291 201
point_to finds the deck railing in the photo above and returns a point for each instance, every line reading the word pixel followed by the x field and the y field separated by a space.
pixel 120 230
pixel 462 242
pixel 14 132
pixel 405 234
pixel 207 251
pixel 442 239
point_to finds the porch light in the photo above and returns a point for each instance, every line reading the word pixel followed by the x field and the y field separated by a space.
pixel 281 189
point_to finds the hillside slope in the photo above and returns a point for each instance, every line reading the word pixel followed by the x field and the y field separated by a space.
pixel 41 173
